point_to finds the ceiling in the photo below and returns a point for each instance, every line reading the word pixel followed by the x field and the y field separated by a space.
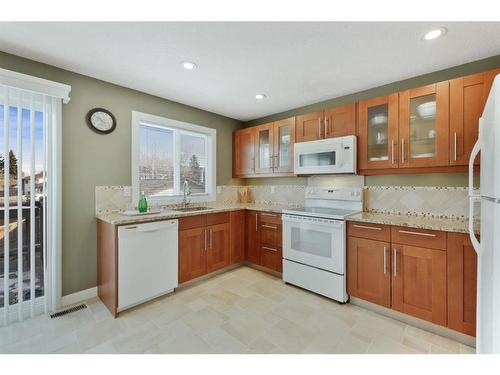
pixel 294 64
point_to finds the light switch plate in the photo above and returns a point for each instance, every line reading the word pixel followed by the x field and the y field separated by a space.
pixel 219 189
pixel 273 189
pixel 127 191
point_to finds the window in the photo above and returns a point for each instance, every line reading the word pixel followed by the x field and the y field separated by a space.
pixel 166 153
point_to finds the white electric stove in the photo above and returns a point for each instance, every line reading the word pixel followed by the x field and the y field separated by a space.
pixel 314 240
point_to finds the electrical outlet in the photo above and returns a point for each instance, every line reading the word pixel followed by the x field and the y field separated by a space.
pixel 219 189
pixel 127 191
pixel 273 189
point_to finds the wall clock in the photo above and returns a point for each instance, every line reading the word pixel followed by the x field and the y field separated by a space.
pixel 101 120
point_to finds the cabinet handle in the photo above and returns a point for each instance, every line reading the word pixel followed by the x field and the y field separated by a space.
pixel 276 161
pixel 402 150
pixel 366 227
pixel 271 162
pixel 395 252
pixel 385 260
pixel 266 214
pixel 319 128
pixel 256 222
pixel 205 240
pixel 417 233
pixel 210 238
pixel 269 248
pixel 392 151
pixel 455 146
pixel 326 125
pixel 269 226
pixel 253 163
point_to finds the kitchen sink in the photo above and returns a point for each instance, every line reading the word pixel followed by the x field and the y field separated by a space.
pixel 195 208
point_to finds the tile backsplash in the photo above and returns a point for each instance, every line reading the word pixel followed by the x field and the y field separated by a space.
pixel 451 202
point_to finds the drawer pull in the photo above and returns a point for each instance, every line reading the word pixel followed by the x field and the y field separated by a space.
pixel 395 263
pixel 417 233
pixel 269 226
pixel 269 248
pixel 366 227
pixel 385 260
pixel 266 214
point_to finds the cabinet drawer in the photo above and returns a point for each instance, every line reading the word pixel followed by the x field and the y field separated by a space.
pixel 218 218
pixel 371 231
pixel 430 239
pixel 270 234
pixel 269 217
pixel 190 222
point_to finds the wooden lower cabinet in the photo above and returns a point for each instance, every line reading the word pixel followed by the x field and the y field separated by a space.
pixel 192 254
pixel 253 238
pixel 419 282
pixel 368 270
pixel 271 255
pixel 217 247
pixel 462 281
pixel 237 236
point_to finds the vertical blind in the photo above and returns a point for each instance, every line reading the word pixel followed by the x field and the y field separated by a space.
pixel 26 134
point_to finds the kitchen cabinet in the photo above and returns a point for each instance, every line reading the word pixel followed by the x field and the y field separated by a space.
pixel 265 150
pixel 253 238
pixel 237 236
pixel 368 270
pixel 462 281
pixel 419 282
pixel 378 133
pixel 203 245
pixel 467 100
pixel 284 139
pixel 400 268
pixel 340 121
pixel 424 126
pixel 334 122
pixel 244 152
pixel 270 241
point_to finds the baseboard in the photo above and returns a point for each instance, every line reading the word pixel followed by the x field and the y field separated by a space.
pixel 415 322
pixel 80 296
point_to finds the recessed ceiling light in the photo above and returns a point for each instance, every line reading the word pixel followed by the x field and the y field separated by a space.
pixel 189 65
pixel 434 34
pixel 260 96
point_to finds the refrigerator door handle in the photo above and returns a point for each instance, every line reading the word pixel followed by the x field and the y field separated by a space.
pixel 473 197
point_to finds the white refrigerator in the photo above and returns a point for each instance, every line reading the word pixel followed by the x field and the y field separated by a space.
pixel 488 249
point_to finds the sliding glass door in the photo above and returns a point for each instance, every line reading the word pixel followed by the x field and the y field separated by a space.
pixel 26 175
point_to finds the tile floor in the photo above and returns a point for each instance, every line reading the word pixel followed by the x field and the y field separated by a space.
pixel 241 311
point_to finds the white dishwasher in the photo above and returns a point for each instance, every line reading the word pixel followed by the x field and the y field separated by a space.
pixel 147 261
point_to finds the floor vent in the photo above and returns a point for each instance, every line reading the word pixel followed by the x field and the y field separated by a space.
pixel 68 311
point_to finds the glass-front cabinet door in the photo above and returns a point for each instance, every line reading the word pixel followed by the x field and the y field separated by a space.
pixel 423 126
pixel 284 138
pixel 264 148
pixel 378 132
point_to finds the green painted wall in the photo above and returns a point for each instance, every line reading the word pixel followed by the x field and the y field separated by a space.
pixel 426 79
pixel 435 179
pixel 90 159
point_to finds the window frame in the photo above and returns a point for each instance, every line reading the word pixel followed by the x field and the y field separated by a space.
pixel 139 118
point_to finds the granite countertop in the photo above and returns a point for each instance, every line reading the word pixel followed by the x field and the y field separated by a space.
pixel 118 218
pixel 458 225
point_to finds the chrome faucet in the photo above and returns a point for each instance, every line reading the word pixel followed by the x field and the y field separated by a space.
pixel 186 191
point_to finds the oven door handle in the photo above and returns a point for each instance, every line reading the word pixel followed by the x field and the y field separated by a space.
pixel 313 223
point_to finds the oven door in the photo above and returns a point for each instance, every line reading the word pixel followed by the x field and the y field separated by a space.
pixel 315 242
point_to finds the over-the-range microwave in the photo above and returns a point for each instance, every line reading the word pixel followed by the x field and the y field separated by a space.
pixel 325 156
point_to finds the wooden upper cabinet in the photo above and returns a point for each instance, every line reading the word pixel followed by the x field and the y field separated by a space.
pixel 264 148
pixel 284 138
pixel 378 132
pixel 462 281
pixel 244 152
pixel 467 99
pixel 369 270
pixel 424 126
pixel 309 127
pixel 218 249
pixel 340 121
pixel 419 282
